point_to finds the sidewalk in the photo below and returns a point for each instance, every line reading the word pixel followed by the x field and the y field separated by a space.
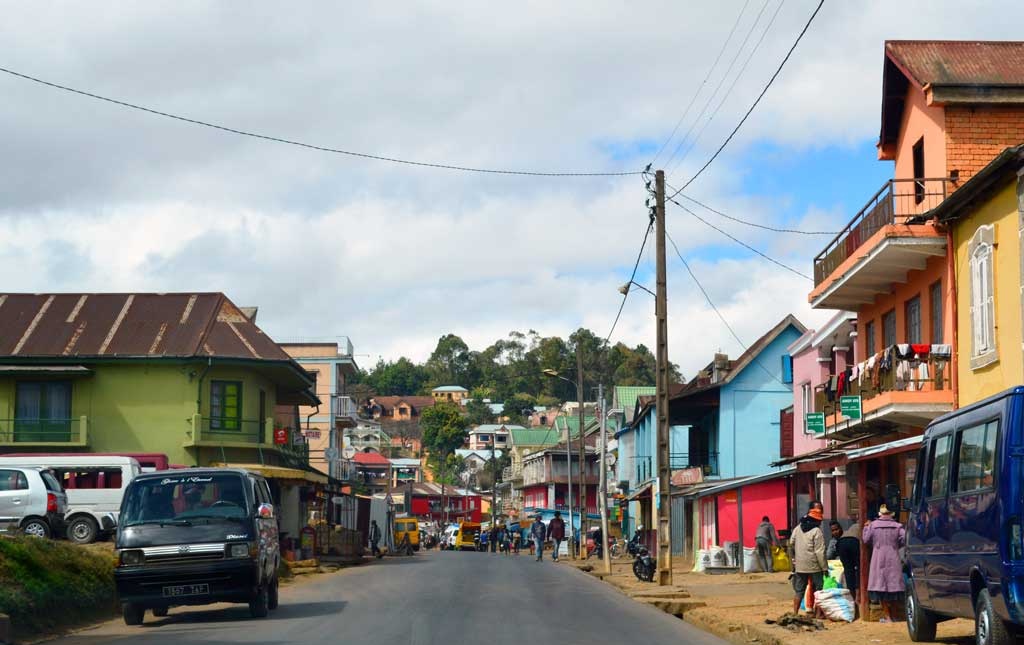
pixel 735 606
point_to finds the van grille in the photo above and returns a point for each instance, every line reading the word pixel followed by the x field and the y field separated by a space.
pixel 183 554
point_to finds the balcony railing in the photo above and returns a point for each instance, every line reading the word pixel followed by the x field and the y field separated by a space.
pixel 897 201
pixel 343 406
pixel 708 461
pixel 244 433
pixel 45 432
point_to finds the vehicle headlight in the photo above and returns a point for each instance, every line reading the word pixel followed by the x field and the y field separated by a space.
pixel 132 557
pixel 242 550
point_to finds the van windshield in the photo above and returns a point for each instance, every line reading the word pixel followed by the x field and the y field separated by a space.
pixel 185 498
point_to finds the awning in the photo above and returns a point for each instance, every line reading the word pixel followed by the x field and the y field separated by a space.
pixel 280 472
pixel 885 449
pixel 45 370
pixel 640 492
pixel 745 481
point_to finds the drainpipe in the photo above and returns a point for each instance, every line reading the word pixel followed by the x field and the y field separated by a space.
pixel 954 378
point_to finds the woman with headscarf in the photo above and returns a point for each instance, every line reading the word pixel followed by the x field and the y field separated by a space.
pixel 886 536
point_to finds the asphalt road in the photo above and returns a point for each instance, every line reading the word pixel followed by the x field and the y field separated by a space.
pixel 441 598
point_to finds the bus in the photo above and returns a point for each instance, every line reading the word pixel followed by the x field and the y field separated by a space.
pixel 465 539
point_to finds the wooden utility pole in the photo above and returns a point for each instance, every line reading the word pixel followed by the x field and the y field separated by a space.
pixel 583 444
pixel 602 494
pixel 663 501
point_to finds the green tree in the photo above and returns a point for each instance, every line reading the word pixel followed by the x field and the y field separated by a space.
pixel 518 408
pixel 450 363
pixel 444 430
pixel 478 412
pixel 402 377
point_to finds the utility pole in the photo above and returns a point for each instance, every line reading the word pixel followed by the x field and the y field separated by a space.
pixel 494 487
pixel 583 444
pixel 664 504
pixel 568 470
pixel 602 496
pixel 444 500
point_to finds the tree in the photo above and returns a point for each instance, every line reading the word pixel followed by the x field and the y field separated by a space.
pixel 444 430
pixel 478 412
pixel 518 408
pixel 402 377
pixel 450 362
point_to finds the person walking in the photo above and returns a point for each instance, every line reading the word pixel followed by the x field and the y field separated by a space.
pixel 375 540
pixel 492 539
pixel 538 532
pixel 885 577
pixel 766 538
pixel 556 531
pixel 846 547
pixel 807 552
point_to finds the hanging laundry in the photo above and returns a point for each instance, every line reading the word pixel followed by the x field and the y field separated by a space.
pixel 861 372
pixel 942 351
pixel 921 350
pixel 902 375
pixel 841 384
pixel 903 351
pixel 940 369
pixel 922 375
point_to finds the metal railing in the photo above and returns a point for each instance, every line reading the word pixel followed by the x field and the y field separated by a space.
pixel 896 202
pixel 707 461
pixel 343 406
pixel 55 432
pixel 223 429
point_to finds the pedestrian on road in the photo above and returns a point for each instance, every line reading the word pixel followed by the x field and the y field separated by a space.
pixel 846 547
pixel 492 538
pixel 807 552
pixel 516 537
pixel 375 540
pixel 537 534
pixel 556 531
pixel 766 538
pixel 885 578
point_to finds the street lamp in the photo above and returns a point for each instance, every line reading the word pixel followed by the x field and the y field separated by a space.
pixel 624 289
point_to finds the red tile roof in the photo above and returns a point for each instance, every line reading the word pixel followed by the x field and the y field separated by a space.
pixel 951 62
pixel 388 403
pixel 371 459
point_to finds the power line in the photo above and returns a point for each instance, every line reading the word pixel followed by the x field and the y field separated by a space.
pixel 350 153
pixel 735 80
pixel 742 243
pixel 622 305
pixel 711 70
pixel 721 81
pixel 715 308
pixel 755 224
pixel 760 96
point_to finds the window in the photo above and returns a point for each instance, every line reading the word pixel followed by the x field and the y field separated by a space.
pixel 935 296
pixel 889 328
pixel 225 405
pixel 483 438
pixel 42 411
pixel 13 480
pixel 869 338
pixel 938 467
pixel 983 333
pixel 787 369
pixel 912 318
pixel 919 171
pixel 977 457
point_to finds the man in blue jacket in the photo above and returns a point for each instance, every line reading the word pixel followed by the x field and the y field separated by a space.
pixel 537 533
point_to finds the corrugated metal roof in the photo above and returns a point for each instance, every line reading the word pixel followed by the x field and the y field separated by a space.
pixel 542 437
pixel 626 396
pixel 950 62
pixel 159 325
pixel 371 459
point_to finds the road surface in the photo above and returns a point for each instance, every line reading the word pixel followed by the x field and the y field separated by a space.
pixel 433 598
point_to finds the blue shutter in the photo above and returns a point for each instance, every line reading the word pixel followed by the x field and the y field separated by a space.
pixel 787 369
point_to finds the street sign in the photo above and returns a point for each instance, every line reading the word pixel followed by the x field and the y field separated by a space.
pixel 815 422
pixel 850 406
pixel 331 454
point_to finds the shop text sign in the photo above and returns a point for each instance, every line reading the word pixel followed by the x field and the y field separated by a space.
pixel 850 406
pixel 815 422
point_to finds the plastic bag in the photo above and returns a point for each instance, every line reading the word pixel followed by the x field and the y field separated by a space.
pixel 836 604
pixel 830 583
pixel 780 559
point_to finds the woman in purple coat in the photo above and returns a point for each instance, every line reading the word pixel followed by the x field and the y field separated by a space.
pixel 885 579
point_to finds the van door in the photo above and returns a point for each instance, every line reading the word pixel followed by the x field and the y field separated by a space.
pixel 936 557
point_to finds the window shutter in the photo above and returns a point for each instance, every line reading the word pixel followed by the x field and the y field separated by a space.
pixel 976 342
pixel 786 433
pixel 990 314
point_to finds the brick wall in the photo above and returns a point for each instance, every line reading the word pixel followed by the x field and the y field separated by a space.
pixel 975 135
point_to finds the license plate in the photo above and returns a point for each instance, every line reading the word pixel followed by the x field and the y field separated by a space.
pixel 186 590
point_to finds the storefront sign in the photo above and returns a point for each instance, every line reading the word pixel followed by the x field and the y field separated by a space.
pixel 312 434
pixel 280 436
pixel 850 406
pixel 687 476
pixel 815 422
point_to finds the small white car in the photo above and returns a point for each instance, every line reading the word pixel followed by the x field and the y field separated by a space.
pixel 31 502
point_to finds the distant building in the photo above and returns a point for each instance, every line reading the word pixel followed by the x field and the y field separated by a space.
pixel 431 502
pixel 449 393
pixel 367 436
pixel 481 437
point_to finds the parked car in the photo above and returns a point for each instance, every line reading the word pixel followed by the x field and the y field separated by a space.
pixel 94 485
pixel 965 541
pixel 31 501
pixel 194 537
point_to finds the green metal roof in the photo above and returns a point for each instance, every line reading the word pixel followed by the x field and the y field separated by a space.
pixel 573 423
pixel 626 395
pixel 535 437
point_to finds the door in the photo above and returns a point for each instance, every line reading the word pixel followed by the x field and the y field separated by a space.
pixel 14 499
pixel 937 557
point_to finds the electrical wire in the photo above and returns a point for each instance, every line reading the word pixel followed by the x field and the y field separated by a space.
pixel 350 153
pixel 711 303
pixel 742 243
pixel 754 224
pixel 760 96
pixel 632 276
pixel 707 76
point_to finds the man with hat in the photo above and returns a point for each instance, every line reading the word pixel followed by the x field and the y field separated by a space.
pixel 807 552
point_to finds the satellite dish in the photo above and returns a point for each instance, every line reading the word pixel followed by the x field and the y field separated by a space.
pixel 610 459
pixel 349 452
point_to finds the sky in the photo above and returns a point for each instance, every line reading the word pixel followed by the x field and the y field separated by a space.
pixel 97 197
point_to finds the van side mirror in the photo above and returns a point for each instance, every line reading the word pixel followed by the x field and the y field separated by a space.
pixel 265 512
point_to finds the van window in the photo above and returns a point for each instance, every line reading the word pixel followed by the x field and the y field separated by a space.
pixel 89 477
pixel 938 467
pixel 977 457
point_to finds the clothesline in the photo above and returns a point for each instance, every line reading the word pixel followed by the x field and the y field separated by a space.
pixel 909 361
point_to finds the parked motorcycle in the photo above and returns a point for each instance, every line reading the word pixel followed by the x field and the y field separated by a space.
pixel 618 549
pixel 644 565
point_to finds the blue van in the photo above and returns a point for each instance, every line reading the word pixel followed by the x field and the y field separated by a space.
pixel 965 554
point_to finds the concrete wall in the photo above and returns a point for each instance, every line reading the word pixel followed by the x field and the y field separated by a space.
pixel 920 120
pixel 806 369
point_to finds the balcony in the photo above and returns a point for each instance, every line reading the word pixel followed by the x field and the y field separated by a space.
pixel 893 403
pixel 243 433
pixel 880 245
pixel 707 462
pixel 46 433
pixel 344 411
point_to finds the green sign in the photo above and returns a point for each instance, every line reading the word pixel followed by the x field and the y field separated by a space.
pixel 849 406
pixel 815 422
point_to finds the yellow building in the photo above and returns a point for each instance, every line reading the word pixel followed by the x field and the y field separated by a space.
pixel 986 219
pixel 449 394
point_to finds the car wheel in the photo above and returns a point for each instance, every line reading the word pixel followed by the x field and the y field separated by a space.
pixel 258 606
pixel 133 614
pixel 272 594
pixel 36 528
pixel 160 612
pixel 83 530
pixel 920 622
pixel 989 628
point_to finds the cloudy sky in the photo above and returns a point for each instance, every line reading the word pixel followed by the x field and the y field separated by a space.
pixel 96 197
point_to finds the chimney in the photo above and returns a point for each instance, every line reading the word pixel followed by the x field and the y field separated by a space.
pixel 721 368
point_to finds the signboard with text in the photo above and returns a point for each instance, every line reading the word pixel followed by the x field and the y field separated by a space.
pixel 280 436
pixel 850 406
pixel 815 422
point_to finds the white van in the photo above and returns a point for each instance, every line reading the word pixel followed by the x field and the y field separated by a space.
pixel 94 485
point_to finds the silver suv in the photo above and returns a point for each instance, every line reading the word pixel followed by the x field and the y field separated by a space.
pixel 31 501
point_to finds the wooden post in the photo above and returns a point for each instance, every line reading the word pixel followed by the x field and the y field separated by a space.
pixel 862 513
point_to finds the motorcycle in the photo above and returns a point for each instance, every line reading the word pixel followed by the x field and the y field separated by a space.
pixel 644 565
pixel 618 549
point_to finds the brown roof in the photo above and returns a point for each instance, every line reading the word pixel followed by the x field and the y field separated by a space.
pixel 157 325
pixel 388 403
